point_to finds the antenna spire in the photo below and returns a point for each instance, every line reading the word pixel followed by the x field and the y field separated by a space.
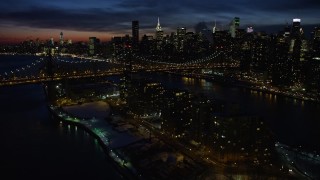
pixel 158 28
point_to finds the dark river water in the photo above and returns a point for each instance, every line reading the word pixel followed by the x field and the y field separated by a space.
pixel 34 146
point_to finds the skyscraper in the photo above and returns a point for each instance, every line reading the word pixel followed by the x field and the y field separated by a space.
pixel 135 34
pixel 159 35
pixel 296 28
pixel 51 42
pixel 214 27
pixel 159 32
pixel 61 38
pixel 296 51
pixel 181 32
pixel 316 33
pixel 236 22
pixel 316 43
pixel 92 45
pixel 234 26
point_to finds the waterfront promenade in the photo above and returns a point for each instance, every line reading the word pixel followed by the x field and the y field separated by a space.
pixel 107 137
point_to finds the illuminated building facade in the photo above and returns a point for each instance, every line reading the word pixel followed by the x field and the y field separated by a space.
pixel 297 50
pixel 234 26
pixel 179 41
pixel 93 46
pixel 159 35
pixel 313 63
pixel 296 28
pixel 316 43
pixel 159 32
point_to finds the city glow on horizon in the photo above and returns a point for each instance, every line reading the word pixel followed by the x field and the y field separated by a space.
pixel 17 35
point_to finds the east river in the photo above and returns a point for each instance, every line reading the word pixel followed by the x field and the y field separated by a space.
pixel 34 146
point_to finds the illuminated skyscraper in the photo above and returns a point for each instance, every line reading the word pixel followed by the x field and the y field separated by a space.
pixel 313 72
pixel 236 22
pixel 296 30
pixel 158 28
pixel 159 35
pixel 234 26
pixel 181 32
pixel 135 34
pixel 297 50
pixel 316 33
pixel 92 45
pixel 316 43
pixel 159 32
pixel 214 28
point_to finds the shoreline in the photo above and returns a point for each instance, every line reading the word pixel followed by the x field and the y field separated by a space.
pixel 123 170
pixel 236 83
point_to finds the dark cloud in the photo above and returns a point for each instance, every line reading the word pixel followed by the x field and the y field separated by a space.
pixel 116 15
pixel 86 20
pixel 288 6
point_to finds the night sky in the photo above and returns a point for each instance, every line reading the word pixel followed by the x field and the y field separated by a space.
pixel 79 19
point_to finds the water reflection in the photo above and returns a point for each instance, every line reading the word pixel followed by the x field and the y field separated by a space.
pixel 293 121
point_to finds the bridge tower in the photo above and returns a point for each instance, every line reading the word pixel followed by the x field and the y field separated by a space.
pixel 49 65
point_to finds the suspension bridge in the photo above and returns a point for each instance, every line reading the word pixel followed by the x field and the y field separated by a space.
pixel 54 68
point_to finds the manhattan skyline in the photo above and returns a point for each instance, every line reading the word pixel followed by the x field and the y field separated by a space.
pixel 21 20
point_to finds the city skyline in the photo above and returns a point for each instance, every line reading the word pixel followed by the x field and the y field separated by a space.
pixel 79 20
pixel 145 89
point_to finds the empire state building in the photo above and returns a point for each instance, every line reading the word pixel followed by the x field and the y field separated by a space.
pixel 159 32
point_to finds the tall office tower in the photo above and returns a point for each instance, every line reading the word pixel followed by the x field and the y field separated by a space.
pixel 181 32
pixel 135 35
pixel 296 28
pixel 214 27
pixel 316 43
pixel 159 32
pixel 296 51
pixel 61 38
pixel 92 45
pixel 316 33
pixel 234 26
pixel 179 41
pixel 259 54
pixel 236 22
pixel 159 35
pixel 313 68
